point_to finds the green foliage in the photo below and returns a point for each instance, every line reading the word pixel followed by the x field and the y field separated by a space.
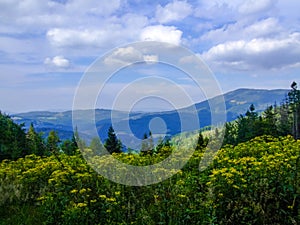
pixel 147 146
pixel 12 138
pixel 274 121
pixel 52 142
pixel 202 142
pixel 256 182
pixel 96 146
pixel 112 143
pixel 294 103
pixel 35 143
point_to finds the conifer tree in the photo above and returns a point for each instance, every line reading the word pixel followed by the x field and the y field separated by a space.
pixel 35 143
pixel 69 147
pixel 112 143
pixel 52 142
pixel 202 142
pixel 294 103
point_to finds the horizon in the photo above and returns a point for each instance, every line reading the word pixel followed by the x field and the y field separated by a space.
pixel 137 111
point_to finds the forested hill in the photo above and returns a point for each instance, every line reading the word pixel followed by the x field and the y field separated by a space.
pixel 237 102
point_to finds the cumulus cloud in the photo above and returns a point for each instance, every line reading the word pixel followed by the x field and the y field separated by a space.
pixel 123 57
pixel 161 33
pixel 256 54
pixel 173 11
pixel 57 61
pixel 78 38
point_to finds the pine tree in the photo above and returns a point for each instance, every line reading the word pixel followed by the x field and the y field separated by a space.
pixel 294 103
pixel 52 142
pixel 80 143
pixel 270 125
pixel 230 134
pixel 112 143
pixel 35 143
pixel 69 147
pixel 202 142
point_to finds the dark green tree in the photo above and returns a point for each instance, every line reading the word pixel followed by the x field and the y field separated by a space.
pixel 230 135
pixel 294 103
pixel 270 124
pixel 284 119
pixel 202 142
pixel 52 142
pixel 112 143
pixel 247 126
pixel 12 138
pixel 147 146
pixel 69 147
pixel 34 142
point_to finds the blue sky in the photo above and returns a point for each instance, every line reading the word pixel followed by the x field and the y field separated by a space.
pixel 45 46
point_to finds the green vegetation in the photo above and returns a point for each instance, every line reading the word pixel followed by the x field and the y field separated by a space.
pixel 256 182
pixel 275 121
pixel 254 178
pixel 16 143
pixel 112 143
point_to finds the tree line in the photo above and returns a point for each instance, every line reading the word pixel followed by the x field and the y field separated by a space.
pixel 15 142
pixel 275 121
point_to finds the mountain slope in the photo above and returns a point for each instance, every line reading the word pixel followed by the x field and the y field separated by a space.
pixel 236 102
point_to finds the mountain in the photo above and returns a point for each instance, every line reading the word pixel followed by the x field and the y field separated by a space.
pixel 237 102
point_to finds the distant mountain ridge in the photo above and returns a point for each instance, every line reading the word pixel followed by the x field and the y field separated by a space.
pixel 236 102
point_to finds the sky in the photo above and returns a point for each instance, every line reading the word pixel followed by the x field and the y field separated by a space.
pixel 47 45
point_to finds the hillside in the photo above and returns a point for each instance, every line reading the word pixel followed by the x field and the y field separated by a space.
pixel 237 102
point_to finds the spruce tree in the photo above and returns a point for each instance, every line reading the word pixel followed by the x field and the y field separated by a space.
pixel 202 142
pixel 69 147
pixel 35 143
pixel 112 143
pixel 294 103
pixel 52 142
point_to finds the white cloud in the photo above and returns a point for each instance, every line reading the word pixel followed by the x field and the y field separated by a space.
pixel 175 11
pixel 256 54
pixel 123 57
pixel 150 59
pixel 36 16
pixel 254 6
pixel 112 31
pixel 81 38
pixel 57 61
pixel 161 33
pixel 264 28
pixel 269 27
